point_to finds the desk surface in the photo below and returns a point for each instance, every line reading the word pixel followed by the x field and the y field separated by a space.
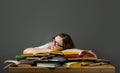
pixel 84 69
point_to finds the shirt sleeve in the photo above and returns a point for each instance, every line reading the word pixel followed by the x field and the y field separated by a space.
pixel 45 46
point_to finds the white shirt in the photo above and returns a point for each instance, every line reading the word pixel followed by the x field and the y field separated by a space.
pixel 47 45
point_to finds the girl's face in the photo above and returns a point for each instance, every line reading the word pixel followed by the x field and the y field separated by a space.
pixel 57 44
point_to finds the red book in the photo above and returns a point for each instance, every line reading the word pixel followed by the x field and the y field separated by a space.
pixel 71 56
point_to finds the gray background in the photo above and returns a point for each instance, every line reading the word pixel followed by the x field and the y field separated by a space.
pixel 92 24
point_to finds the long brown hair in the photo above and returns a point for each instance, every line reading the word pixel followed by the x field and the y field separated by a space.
pixel 67 41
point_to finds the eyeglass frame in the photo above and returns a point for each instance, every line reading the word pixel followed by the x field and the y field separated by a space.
pixel 56 43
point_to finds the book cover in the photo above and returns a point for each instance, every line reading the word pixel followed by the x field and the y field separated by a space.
pixel 48 64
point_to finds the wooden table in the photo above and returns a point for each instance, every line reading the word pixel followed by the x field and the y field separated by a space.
pixel 85 69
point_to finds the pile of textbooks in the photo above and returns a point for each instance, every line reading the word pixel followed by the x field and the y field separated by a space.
pixel 70 58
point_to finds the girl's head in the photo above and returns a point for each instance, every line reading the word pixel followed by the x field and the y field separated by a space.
pixel 62 41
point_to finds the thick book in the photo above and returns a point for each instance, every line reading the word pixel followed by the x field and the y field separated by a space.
pixel 78 54
pixel 48 64
pixel 78 64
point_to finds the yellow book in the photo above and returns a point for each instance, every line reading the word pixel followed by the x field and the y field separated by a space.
pixel 78 64
pixel 38 54
pixel 56 53
pixel 84 58
pixel 41 54
pixel 28 54
pixel 73 65
pixel 65 53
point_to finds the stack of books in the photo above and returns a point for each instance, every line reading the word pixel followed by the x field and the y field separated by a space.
pixel 53 59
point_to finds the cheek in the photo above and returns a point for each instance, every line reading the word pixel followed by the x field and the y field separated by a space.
pixel 55 48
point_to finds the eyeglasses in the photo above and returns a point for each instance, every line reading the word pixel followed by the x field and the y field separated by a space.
pixel 56 43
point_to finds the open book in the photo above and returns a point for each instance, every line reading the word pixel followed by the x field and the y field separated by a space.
pixel 71 54
pixel 77 54
pixel 11 63
pixel 23 63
